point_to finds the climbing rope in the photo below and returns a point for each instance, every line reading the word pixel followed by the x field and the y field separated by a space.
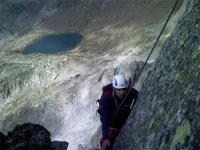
pixel 173 8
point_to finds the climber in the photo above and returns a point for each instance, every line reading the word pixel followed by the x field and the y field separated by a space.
pixel 115 106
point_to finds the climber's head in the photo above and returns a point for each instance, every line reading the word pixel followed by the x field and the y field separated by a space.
pixel 120 85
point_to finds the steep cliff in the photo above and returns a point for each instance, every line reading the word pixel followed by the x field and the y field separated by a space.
pixel 167 113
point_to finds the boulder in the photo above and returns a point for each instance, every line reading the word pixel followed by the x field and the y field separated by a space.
pixel 30 136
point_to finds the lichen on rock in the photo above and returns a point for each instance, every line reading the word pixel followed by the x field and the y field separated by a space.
pixel 167 114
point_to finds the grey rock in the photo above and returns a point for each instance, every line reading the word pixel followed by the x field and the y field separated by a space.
pixel 167 113
pixel 59 145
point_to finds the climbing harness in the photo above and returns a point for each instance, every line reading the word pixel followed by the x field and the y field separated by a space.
pixel 174 6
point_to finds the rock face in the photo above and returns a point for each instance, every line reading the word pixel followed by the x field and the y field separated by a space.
pixel 30 137
pixel 167 114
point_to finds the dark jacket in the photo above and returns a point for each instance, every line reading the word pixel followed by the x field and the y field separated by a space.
pixel 109 106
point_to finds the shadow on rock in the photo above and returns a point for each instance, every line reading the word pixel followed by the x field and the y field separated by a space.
pixel 30 136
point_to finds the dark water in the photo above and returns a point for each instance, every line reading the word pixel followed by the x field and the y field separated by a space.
pixel 52 44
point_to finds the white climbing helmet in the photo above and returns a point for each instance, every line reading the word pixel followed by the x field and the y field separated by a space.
pixel 119 82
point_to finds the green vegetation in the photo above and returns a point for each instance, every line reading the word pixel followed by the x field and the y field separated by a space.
pixel 151 136
pixel 151 122
pixel 181 133
pixel 161 145
pixel 190 74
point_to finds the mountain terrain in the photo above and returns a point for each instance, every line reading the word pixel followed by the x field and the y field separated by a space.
pixel 59 91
